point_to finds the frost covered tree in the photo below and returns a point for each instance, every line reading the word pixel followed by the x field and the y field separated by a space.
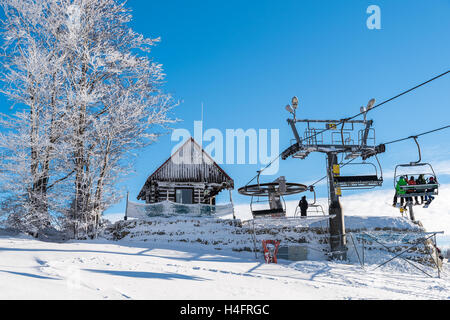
pixel 33 77
pixel 88 95
pixel 114 98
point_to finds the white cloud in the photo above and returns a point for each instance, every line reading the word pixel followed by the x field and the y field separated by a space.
pixel 442 167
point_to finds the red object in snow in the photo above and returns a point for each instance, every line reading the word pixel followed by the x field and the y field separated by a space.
pixel 270 250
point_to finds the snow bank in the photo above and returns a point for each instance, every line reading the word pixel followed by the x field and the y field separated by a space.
pixel 358 223
pixel 216 233
pixel 235 235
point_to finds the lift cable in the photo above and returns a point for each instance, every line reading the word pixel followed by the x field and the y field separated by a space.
pixel 418 135
pixel 381 103
pixel 391 142
pixel 267 166
pixel 361 113
pixel 341 165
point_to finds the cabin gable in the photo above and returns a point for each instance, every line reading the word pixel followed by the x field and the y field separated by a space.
pixel 190 167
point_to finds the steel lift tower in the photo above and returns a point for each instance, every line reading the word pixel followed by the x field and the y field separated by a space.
pixel 340 138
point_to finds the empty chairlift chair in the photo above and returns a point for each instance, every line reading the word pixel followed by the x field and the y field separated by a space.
pixel 368 180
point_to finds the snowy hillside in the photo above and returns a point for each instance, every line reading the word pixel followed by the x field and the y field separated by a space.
pixel 150 263
pixel 123 270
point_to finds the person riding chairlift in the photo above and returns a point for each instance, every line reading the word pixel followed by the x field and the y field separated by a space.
pixel 412 182
pixel 431 180
pixel 421 180
pixel 400 191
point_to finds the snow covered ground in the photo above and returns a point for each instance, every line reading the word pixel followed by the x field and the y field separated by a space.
pixel 101 269
pixel 31 269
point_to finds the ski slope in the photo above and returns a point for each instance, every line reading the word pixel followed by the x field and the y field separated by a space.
pixel 31 269
pixel 101 269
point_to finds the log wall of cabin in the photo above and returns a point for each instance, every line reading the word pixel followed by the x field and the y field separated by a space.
pixel 157 193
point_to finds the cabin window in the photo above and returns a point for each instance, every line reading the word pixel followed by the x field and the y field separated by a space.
pixel 185 196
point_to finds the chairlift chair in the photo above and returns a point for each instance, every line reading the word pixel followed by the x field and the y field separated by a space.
pixel 368 181
pixel 421 190
pixel 418 190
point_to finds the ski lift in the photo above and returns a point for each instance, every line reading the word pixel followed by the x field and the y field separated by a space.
pixel 367 181
pixel 428 189
pixel 270 196
pixel 269 208
pixel 314 209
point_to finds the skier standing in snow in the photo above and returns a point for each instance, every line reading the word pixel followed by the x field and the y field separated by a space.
pixel 303 204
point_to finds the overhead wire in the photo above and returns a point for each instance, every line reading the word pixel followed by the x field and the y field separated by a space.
pixel 417 135
pixel 391 142
pixel 381 103
pixel 342 121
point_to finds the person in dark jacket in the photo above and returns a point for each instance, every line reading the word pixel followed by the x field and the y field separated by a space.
pixel 303 204
pixel 420 181
pixel 430 181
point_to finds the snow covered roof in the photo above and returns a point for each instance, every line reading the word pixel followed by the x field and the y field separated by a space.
pixel 190 163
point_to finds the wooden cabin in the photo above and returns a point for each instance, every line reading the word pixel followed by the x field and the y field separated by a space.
pixel 189 176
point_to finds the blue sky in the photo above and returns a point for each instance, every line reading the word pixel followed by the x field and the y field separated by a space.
pixel 246 59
